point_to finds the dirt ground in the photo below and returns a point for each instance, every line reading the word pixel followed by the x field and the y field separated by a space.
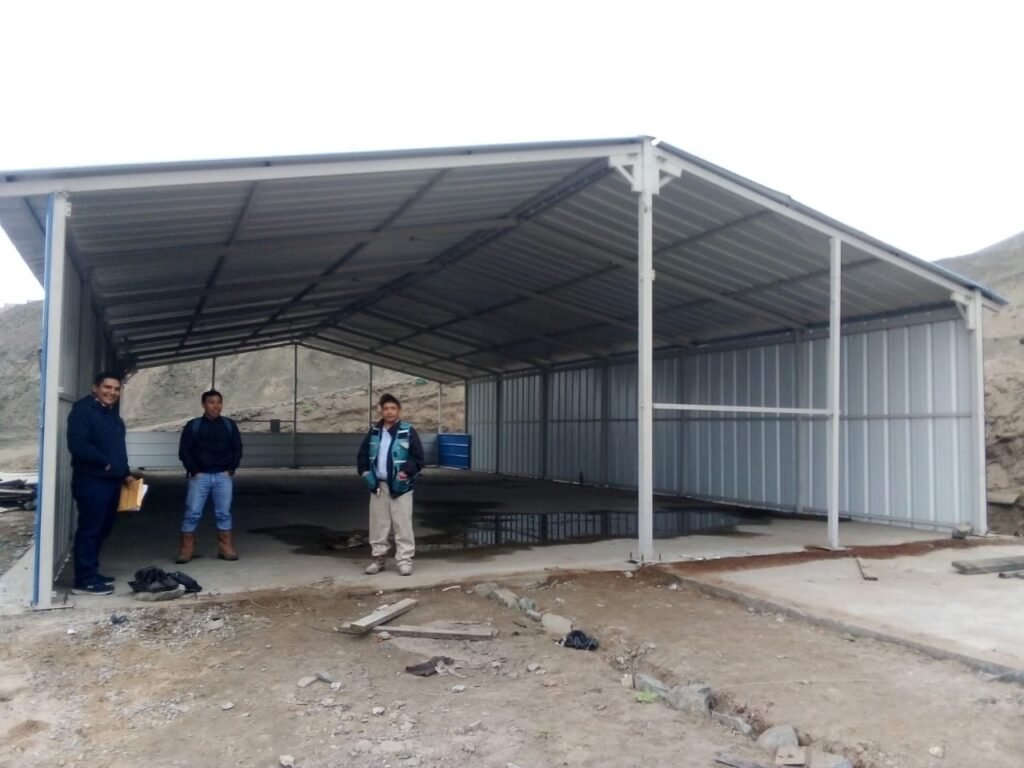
pixel 216 683
pixel 17 526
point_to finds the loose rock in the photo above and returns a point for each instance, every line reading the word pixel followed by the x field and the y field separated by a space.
pixel 646 683
pixel 506 596
pixel 286 761
pixel 937 751
pixel 694 697
pixel 378 711
pixel 776 737
pixel 458 688
pixel 485 589
pixel 738 724
pixel 527 604
pixel 555 624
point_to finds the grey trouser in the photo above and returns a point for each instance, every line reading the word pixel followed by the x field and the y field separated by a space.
pixel 387 513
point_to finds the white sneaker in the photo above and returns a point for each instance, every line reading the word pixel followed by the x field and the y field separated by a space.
pixel 405 569
pixel 375 567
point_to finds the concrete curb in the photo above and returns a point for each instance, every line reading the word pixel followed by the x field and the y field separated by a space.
pixel 999 672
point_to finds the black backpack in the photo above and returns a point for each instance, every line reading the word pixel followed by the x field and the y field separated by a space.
pixel 153 579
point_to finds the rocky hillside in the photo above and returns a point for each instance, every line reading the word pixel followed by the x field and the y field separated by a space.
pixel 257 387
pixel 20 339
pixel 1001 268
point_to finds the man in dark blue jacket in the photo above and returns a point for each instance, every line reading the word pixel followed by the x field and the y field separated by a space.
pixel 99 463
pixel 210 450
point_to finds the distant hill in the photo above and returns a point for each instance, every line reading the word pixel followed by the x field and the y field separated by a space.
pixel 1001 268
pixel 257 387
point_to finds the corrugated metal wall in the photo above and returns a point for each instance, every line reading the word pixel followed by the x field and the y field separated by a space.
pixel 906 454
pixel 159 450
pixel 84 352
pixel 482 412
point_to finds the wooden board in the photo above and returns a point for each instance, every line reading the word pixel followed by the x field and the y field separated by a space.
pixel 439 633
pixel 994 565
pixel 866 573
pixel 380 616
pixel 737 762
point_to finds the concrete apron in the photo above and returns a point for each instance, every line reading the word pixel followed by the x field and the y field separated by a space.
pixel 284 520
pixel 918 601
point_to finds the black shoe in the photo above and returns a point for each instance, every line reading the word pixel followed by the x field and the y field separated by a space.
pixel 106 579
pixel 96 588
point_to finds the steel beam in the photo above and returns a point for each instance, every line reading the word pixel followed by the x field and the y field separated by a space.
pixel 645 178
pixel 102 180
pixel 53 342
pixel 834 347
pixel 979 521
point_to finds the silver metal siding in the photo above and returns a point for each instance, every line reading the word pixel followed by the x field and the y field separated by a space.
pixel 575 430
pixel 482 423
pixel 159 450
pixel 521 429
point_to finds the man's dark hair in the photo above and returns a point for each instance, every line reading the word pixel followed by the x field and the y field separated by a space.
pixel 387 397
pixel 106 375
pixel 212 393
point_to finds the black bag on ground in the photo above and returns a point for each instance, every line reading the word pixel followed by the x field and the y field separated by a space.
pixel 190 584
pixel 581 641
pixel 152 579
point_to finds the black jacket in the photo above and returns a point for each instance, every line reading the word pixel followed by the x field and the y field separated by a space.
pixel 215 446
pixel 96 439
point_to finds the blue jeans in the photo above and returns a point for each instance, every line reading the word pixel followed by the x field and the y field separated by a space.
pixel 219 485
pixel 97 500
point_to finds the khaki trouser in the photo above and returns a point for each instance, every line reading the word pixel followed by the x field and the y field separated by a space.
pixel 385 513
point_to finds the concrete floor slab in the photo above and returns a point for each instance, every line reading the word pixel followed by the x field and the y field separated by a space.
pixel 285 520
pixel 919 598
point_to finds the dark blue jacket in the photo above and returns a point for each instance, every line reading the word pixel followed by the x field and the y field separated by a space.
pixel 96 439
pixel 210 445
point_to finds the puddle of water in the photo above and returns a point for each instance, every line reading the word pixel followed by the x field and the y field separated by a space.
pixel 464 526
pixel 497 529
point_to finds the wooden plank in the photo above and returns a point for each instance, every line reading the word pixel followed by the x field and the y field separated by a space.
pixel 993 565
pixel 380 616
pixel 439 633
pixel 866 573
pixel 737 762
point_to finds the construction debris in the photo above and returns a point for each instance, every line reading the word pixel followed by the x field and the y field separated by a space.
pixel 481 632
pixel 865 572
pixel 992 565
pixel 431 666
pixel 383 614
pixel 737 762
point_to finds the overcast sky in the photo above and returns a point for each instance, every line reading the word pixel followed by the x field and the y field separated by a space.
pixel 902 119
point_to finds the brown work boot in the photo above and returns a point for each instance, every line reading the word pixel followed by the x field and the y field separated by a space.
pixel 188 547
pixel 224 549
pixel 375 566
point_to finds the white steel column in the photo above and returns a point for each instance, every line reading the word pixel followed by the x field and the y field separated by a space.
pixel 646 182
pixel 295 406
pixel 440 400
pixel 834 342
pixel 46 511
pixel 979 523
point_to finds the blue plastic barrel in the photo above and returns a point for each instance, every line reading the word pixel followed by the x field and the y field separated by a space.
pixel 453 450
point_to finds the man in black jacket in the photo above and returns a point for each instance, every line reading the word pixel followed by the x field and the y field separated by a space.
pixel 211 449
pixel 99 467
pixel 389 459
